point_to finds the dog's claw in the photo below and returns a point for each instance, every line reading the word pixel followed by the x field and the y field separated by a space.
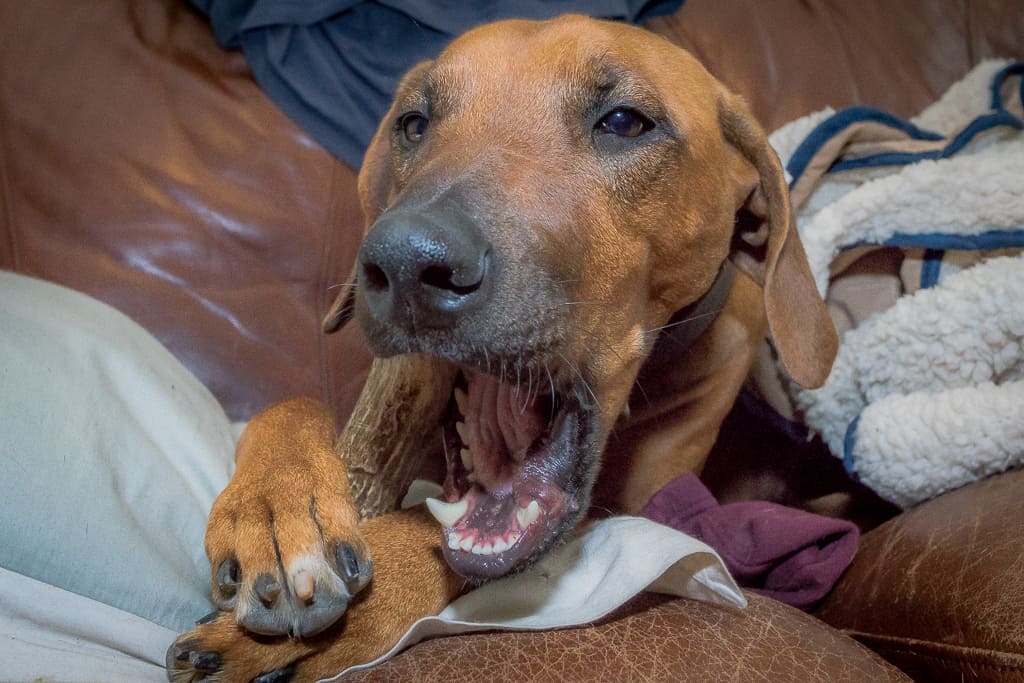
pixel 208 618
pixel 356 571
pixel 282 675
pixel 181 657
pixel 206 661
pixel 267 588
pixel 229 575
pixel 179 651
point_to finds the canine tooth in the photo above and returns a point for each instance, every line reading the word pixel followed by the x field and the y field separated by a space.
pixel 447 513
pixel 467 459
pixel 500 545
pixel 460 427
pixel 528 515
pixel 466 544
pixel 461 400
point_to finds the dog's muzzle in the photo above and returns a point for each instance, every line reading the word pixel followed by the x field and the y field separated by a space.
pixel 424 269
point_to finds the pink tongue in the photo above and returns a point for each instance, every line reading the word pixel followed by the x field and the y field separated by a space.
pixel 501 424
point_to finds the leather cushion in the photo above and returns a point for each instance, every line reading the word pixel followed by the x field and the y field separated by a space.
pixel 653 638
pixel 793 57
pixel 939 590
pixel 141 164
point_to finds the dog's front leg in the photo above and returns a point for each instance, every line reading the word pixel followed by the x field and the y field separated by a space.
pixel 411 580
pixel 289 557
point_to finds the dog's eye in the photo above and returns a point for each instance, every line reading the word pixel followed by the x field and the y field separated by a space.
pixel 413 126
pixel 626 123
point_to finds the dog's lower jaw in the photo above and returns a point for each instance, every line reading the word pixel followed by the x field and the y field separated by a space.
pixel 518 474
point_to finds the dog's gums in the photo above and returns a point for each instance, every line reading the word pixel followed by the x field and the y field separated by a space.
pixel 513 470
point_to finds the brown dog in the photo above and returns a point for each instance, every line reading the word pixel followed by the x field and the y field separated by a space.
pixel 556 211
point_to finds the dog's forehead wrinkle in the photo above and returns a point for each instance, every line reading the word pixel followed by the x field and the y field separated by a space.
pixel 534 68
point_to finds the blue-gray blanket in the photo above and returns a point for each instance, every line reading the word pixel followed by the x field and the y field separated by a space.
pixel 333 65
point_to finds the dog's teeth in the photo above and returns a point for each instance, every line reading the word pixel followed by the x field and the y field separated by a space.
pixel 467 459
pixel 447 513
pixel 477 549
pixel 528 515
pixel 500 545
pixel 466 544
pixel 471 477
pixel 460 427
pixel 462 401
pixel 453 540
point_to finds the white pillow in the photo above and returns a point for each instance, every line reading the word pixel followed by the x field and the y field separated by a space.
pixel 112 453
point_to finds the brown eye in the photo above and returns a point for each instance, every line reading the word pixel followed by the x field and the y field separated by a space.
pixel 625 123
pixel 413 126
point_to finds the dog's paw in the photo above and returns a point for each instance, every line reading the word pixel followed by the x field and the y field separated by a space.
pixel 412 581
pixel 285 565
pixel 220 650
pixel 283 540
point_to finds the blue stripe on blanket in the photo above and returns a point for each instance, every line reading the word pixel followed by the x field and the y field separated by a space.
pixel 835 124
pixel 936 244
pixel 838 122
pixel 1000 78
pixel 962 139
pixel 849 443
pixel 992 239
pixel 931 268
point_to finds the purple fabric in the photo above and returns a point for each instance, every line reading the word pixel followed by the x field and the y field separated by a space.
pixel 790 555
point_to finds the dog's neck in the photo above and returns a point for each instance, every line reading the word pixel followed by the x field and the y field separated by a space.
pixel 693 320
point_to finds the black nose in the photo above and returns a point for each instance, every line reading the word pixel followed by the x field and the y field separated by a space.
pixel 423 269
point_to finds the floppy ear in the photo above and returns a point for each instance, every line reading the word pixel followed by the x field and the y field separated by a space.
pixel 766 246
pixel 376 182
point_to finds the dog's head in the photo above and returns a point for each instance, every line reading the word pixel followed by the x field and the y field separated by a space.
pixel 540 200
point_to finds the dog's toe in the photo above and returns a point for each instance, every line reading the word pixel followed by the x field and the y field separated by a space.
pixel 283 675
pixel 286 565
pixel 186 663
pixel 355 567
pixel 218 650
pixel 268 612
pixel 313 593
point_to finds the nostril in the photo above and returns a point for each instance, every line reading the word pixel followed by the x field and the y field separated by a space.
pixel 376 278
pixel 442 277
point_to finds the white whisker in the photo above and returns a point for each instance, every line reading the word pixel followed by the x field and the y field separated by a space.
pixel 683 322
pixel 582 379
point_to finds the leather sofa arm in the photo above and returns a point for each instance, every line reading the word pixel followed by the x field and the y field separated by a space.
pixel 939 590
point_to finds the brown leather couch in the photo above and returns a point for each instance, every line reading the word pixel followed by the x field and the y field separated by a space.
pixel 141 164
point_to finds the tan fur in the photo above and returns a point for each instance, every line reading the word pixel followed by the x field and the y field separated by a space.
pixel 639 243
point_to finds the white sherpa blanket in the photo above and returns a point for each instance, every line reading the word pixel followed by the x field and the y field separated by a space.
pixel 926 394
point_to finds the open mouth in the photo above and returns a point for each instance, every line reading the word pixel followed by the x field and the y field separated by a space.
pixel 517 478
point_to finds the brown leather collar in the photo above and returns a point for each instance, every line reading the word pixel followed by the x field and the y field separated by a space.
pixel 693 320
